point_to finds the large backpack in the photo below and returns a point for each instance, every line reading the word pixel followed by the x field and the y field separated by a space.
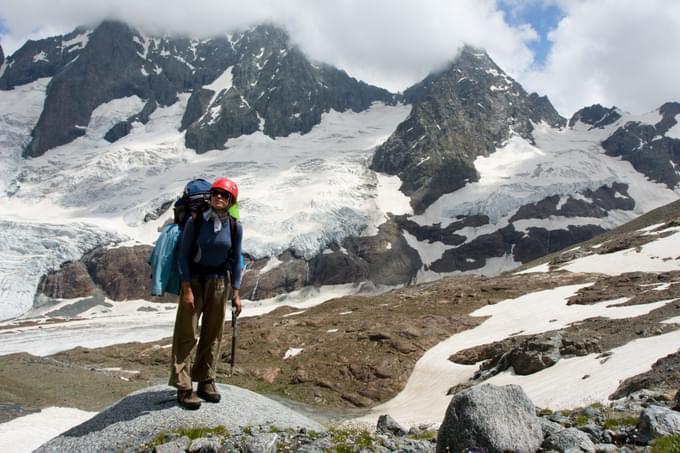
pixel 164 258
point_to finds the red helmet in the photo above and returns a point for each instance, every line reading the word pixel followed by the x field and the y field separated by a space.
pixel 227 185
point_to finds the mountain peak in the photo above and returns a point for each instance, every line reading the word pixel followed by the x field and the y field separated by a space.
pixel 461 112
pixel 272 85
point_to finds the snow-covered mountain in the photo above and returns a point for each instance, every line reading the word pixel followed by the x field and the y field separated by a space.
pixel 103 127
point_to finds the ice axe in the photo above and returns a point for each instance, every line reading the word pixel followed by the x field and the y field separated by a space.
pixel 233 338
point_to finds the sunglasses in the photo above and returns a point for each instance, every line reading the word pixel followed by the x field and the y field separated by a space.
pixel 220 194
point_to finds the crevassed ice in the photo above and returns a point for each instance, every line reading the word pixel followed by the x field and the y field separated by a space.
pixel 27 251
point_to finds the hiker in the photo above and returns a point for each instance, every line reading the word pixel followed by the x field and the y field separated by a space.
pixel 207 257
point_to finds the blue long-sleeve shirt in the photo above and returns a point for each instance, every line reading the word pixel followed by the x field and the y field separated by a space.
pixel 212 251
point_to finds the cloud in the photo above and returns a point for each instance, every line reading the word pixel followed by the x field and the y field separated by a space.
pixel 394 43
pixel 613 52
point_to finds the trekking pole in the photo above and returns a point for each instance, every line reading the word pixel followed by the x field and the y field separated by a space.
pixel 233 338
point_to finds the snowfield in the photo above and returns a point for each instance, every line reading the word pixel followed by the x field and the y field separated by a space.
pixel 563 162
pixel 300 192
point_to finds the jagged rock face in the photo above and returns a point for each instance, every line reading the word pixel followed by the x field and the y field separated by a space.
pixel 460 113
pixel 647 148
pixel 43 58
pixel 596 116
pixel 273 83
pixel 276 88
pixel 107 68
pixel 2 56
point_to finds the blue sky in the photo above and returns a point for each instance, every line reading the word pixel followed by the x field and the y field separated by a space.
pixel 543 18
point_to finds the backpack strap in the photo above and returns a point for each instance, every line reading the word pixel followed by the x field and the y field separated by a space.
pixel 198 221
pixel 232 227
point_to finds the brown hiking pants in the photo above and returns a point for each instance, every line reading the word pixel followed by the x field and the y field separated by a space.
pixel 210 302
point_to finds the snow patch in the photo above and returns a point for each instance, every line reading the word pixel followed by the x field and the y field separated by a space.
pixel 273 263
pixel 78 42
pixel 25 434
pixel 292 352
pixel 42 56
pixel 424 399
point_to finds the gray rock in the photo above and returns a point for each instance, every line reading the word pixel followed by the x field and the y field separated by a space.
pixel 657 421
pixel 569 439
pixel 492 419
pixel 205 445
pixel 175 446
pixel 139 417
pixel 549 427
pixel 387 424
pixel 594 432
pixel 262 443
pixel 606 448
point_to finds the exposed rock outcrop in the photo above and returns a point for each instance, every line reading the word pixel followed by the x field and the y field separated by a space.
pixel 122 273
pixel 647 147
pixel 139 417
pixel 596 116
pixel 490 419
pixel 656 421
pixel 459 113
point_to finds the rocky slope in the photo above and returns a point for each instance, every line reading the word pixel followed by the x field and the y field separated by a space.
pixel 267 83
pixel 648 147
pixel 460 113
pixel 359 351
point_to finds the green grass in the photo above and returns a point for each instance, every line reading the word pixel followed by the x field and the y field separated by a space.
pixel 666 444
pixel 191 433
pixel 581 420
pixel 424 435
pixel 350 440
pixel 612 423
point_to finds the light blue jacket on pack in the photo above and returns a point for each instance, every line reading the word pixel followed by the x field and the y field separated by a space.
pixel 163 261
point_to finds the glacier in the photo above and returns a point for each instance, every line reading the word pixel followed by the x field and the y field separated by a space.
pixel 299 192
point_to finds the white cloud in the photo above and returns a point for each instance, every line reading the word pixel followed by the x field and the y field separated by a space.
pixel 613 52
pixel 387 42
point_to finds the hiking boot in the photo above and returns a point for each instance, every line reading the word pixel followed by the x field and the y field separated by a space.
pixel 208 391
pixel 188 399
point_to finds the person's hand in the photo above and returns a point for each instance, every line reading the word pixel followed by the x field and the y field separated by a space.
pixel 187 294
pixel 236 302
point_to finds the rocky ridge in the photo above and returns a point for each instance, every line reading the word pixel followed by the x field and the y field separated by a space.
pixel 121 273
pixel 648 148
pixel 273 84
pixel 462 112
